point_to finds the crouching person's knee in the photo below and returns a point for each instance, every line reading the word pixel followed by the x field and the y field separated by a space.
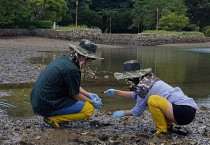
pixel 156 101
pixel 88 109
pixel 152 100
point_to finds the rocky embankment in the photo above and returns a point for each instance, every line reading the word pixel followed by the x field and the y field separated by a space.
pixel 98 37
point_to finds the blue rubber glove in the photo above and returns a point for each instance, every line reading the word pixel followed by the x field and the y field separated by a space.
pixel 110 92
pixel 118 114
pixel 97 104
pixel 93 96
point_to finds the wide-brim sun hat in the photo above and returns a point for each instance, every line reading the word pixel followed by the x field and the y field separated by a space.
pixel 86 48
pixel 132 69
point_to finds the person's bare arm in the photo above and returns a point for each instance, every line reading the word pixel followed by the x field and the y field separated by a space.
pixel 83 98
pixel 128 113
pixel 124 94
pixel 82 91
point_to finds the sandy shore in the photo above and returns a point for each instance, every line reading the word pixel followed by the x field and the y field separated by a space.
pixel 15 66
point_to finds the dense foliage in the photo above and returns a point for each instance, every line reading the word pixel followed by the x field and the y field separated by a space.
pixel 120 16
pixel 31 13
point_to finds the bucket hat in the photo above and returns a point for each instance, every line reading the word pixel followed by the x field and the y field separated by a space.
pixel 85 48
pixel 132 69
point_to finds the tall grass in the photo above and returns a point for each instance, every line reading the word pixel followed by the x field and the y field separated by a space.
pixel 72 27
pixel 173 32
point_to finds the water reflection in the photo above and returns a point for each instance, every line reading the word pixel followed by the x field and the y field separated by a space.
pixel 187 68
pixel 18 102
pixel 199 50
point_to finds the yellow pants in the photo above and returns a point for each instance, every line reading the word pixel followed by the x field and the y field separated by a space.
pixel 86 112
pixel 158 107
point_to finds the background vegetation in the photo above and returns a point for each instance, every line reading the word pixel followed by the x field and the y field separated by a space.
pixel 125 16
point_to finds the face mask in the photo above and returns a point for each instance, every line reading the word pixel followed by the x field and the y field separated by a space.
pixel 129 82
pixel 80 63
pixel 133 83
pixel 81 60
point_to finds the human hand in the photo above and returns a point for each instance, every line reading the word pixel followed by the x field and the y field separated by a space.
pixel 118 114
pixel 93 96
pixel 97 104
pixel 110 92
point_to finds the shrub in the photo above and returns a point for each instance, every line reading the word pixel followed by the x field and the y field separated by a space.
pixel 206 31
pixel 173 22
pixel 191 27
pixel 44 24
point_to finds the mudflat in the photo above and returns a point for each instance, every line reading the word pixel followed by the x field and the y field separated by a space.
pixel 16 68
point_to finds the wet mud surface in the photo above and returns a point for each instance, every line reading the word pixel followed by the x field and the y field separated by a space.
pixel 102 130
pixel 15 67
pixel 16 52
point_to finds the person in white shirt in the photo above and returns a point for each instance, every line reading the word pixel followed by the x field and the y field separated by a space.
pixel 167 105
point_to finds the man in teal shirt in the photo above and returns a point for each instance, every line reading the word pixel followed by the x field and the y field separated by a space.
pixel 57 95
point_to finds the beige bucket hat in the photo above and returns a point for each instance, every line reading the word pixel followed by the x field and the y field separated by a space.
pixel 132 69
pixel 86 48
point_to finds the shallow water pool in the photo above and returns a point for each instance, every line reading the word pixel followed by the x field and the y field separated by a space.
pixel 187 68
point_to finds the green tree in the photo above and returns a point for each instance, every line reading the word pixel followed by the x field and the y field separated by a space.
pixel 120 22
pixel 173 22
pixel 55 10
pixel 69 18
pixel 97 13
pixel 37 7
pixel 119 12
pixel 176 6
pixel 48 9
pixel 206 31
pixel 12 13
pixel 89 18
pixel 144 13
pixel 173 16
pixel 119 5
pixel 199 12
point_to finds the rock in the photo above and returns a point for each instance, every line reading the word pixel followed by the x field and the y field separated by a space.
pixel 103 137
pixel 37 137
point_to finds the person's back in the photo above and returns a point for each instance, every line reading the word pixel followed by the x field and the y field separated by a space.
pixel 54 85
pixel 174 95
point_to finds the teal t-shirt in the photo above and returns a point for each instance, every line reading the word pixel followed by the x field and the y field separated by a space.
pixel 56 86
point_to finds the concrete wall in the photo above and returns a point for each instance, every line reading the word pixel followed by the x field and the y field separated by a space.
pixel 98 37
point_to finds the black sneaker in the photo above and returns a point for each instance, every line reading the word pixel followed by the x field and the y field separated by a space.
pixel 178 130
